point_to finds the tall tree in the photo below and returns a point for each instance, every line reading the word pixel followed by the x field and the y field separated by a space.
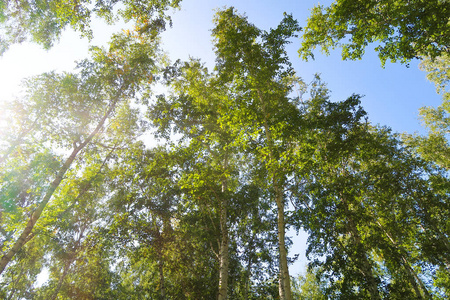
pixel 195 110
pixel 255 65
pixel 71 217
pixel 365 210
pixel 66 114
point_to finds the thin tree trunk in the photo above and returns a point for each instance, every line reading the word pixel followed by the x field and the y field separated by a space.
pixel 72 257
pixel 223 255
pixel 22 270
pixel 284 280
pixel 223 251
pixel 53 186
pixel 162 286
pixel 248 272
pixel 421 292
pixel 37 213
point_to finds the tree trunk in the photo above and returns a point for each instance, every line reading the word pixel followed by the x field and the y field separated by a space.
pixel 223 255
pixel 223 250
pixel 419 287
pixel 162 286
pixel 248 271
pixel 37 213
pixel 22 270
pixel 62 277
pixel 284 286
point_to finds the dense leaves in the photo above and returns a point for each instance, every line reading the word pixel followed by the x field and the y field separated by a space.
pixel 43 21
pixel 401 29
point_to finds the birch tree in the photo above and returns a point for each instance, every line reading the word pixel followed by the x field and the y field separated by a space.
pixel 65 114
pixel 255 64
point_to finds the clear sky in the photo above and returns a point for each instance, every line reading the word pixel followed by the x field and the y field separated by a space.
pixel 393 95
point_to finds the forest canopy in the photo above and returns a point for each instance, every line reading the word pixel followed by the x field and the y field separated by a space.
pixel 247 151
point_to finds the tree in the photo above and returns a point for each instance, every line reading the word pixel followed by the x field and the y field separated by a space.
pixel 78 247
pixel 65 113
pixel 43 21
pixel 368 208
pixel 255 65
pixel 144 222
pixel 403 29
pixel 195 111
pixel 329 221
pixel 205 216
pixel 254 236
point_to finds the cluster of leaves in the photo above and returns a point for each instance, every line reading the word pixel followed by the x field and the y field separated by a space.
pixel 43 21
pixel 402 29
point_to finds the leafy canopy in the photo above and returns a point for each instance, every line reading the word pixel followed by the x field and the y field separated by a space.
pixel 401 29
pixel 43 21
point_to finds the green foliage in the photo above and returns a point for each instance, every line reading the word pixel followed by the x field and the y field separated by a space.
pixel 366 207
pixel 43 21
pixel 255 66
pixel 435 147
pixel 205 214
pixel 18 284
pixel 401 29
pixel 308 287
pixel 64 114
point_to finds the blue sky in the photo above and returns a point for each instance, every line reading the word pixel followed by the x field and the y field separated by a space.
pixel 393 95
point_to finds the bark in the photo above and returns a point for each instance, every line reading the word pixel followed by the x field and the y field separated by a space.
pixel 421 292
pixel 53 186
pixel 72 256
pixel 223 255
pixel 223 251
pixel 13 292
pixel 284 281
pixel 37 213
pixel 162 287
pixel 249 269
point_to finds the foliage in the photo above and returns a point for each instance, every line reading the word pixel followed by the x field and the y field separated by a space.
pixel 65 114
pixel 204 214
pixel 43 21
pixel 365 211
pixel 254 64
pixel 401 29
pixel 435 146
pixel 308 287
